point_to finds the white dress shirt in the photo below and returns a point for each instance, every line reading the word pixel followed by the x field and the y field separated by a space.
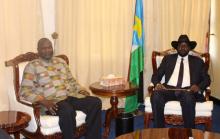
pixel 186 73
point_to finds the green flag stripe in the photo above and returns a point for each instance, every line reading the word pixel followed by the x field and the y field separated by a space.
pixel 136 66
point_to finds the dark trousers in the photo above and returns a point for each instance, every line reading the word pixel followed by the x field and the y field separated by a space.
pixel 91 106
pixel 187 102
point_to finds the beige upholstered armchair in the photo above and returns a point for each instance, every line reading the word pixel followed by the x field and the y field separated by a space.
pixel 172 110
pixel 40 126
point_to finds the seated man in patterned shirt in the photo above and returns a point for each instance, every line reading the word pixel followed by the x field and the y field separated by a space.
pixel 49 82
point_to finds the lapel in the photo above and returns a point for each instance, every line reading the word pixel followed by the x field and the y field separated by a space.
pixel 172 64
pixel 190 68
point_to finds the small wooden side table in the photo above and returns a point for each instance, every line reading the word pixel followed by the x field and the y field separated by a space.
pixel 13 122
pixel 113 92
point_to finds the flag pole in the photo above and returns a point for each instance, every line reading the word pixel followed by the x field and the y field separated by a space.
pixel 136 63
pixel 140 95
pixel 128 79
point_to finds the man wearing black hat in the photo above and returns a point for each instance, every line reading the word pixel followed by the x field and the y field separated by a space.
pixel 181 71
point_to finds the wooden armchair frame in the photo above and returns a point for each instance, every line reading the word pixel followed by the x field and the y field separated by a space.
pixel 177 119
pixel 80 131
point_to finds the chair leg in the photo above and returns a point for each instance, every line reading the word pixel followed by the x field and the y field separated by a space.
pixel 147 118
pixel 208 125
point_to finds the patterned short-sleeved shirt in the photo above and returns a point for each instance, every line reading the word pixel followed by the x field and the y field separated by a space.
pixel 48 79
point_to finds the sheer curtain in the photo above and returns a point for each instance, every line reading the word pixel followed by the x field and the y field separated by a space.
pixel 96 35
pixel 20 28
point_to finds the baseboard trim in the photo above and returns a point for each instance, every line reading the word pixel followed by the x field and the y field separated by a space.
pixel 215 100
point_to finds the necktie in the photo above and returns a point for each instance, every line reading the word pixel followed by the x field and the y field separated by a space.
pixel 180 77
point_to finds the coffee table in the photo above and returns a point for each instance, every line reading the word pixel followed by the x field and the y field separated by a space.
pixel 169 133
pixel 113 92
pixel 211 135
pixel 14 122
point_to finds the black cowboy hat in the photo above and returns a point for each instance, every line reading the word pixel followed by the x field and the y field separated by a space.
pixel 184 38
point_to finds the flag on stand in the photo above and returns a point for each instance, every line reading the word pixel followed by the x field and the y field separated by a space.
pixel 136 56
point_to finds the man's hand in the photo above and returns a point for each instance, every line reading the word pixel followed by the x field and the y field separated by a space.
pixel 194 88
pixel 50 105
pixel 160 86
pixel 84 92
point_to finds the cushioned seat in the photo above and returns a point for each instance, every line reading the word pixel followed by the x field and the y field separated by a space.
pixel 173 107
pixel 50 125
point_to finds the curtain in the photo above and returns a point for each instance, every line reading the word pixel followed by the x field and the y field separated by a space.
pixel 96 35
pixel 20 28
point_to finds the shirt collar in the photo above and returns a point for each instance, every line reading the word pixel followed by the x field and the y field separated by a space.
pixel 46 61
pixel 184 58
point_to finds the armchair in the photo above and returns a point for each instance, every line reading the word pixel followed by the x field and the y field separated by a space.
pixel 172 110
pixel 40 126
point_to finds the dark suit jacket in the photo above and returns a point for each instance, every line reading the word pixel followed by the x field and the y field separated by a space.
pixel 198 72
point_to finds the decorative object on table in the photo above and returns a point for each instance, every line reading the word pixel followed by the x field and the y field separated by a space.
pixel 112 80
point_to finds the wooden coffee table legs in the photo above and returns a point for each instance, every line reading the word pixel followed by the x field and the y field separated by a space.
pixel 110 114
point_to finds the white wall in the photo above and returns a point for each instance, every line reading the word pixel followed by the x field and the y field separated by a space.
pixel 215 48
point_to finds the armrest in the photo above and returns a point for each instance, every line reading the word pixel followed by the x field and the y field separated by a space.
pixel 36 110
pixel 25 102
pixel 150 88
pixel 207 93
